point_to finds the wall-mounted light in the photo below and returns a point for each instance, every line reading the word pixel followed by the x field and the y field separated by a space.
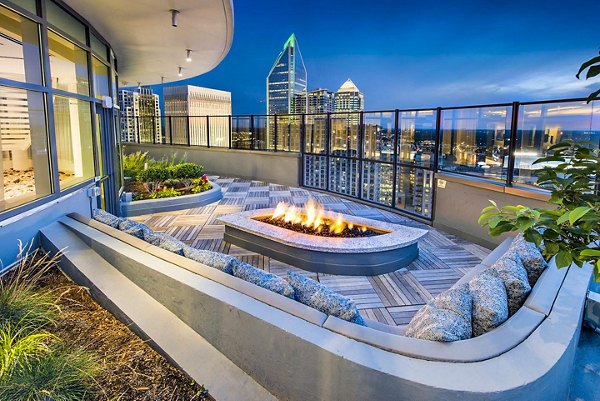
pixel 188 55
pixel 162 80
pixel 174 14
pixel 180 73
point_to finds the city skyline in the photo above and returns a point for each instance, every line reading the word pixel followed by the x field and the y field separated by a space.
pixel 413 56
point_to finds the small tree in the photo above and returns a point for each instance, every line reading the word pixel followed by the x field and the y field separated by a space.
pixel 153 177
pixel 570 231
pixel 593 69
pixel 186 173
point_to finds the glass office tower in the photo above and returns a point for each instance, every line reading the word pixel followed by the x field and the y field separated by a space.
pixel 286 82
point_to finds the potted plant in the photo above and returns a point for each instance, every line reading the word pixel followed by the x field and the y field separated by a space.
pixel 569 227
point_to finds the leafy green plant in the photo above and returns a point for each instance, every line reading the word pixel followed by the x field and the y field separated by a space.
pixel 569 229
pixel 153 177
pixel 134 163
pixel 186 173
pixel 165 192
pixel 18 347
pixel 20 299
pixel 593 69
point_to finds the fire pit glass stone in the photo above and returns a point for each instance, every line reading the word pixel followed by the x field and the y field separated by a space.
pixel 395 246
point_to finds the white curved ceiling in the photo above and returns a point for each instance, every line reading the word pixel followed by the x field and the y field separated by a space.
pixel 149 48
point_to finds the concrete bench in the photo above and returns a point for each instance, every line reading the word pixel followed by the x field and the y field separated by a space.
pixel 299 353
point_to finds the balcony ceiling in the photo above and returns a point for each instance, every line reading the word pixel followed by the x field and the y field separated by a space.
pixel 148 47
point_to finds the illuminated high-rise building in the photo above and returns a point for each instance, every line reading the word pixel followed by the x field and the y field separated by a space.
pixel 140 116
pixel 348 98
pixel 286 82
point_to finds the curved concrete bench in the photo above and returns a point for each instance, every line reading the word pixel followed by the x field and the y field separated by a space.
pixel 299 353
pixel 149 206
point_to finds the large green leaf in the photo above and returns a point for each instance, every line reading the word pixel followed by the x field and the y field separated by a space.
pixel 563 259
pixel 588 63
pixel 593 71
pixel 563 219
pixel 590 252
pixel 578 213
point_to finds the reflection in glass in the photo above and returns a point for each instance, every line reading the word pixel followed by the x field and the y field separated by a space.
pixel 65 21
pixel 378 181
pixel 23 147
pixel 73 128
pixel 219 131
pixel 101 78
pixel 543 125
pixel 98 47
pixel 263 139
pixel 316 133
pixel 344 134
pixel 68 65
pixel 414 190
pixel 19 48
pixel 416 137
pixel 476 141
pixel 378 137
pixel 288 132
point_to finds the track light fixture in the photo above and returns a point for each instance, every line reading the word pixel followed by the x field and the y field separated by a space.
pixel 174 14
pixel 188 55
pixel 180 73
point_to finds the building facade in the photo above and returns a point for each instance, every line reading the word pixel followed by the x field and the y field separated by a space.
pixel 186 109
pixel 348 98
pixel 286 82
pixel 140 116
pixel 320 101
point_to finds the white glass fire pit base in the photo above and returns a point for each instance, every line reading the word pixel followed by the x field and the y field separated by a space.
pixel 365 256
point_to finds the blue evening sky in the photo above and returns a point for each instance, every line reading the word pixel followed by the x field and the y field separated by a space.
pixel 404 54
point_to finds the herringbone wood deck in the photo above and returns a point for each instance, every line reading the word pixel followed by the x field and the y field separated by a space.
pixel 389 298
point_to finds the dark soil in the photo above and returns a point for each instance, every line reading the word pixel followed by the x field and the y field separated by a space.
pixel 354 232
pixel 131 370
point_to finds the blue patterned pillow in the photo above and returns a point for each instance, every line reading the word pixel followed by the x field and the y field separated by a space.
pixel 134 228
pixel 106 218
pixel 165 242
pixel 263 279
pixel 318 296
pixel 220 261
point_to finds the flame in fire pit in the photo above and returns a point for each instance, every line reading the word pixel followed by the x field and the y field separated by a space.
pixel 311 216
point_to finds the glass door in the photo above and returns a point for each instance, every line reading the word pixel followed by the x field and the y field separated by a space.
pixel 105 155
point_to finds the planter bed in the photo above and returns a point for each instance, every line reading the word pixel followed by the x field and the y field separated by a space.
pixel 149 206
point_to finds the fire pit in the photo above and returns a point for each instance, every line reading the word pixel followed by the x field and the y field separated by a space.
pixel 320 241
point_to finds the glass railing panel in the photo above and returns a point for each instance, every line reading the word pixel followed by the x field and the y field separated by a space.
pixel 416 137
pixel 378 135
pixel 316 133
pixel 344 134
pixel 343 175
pixel 241 134
pixel 219 131
pixel 264 133
pixel 288 132
pixel 475 141
pixel 197 128
pixel 315 171
pixel 414 190
pixel 377 182
pixel 543 125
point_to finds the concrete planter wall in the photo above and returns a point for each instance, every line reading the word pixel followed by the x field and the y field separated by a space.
pixel 149 206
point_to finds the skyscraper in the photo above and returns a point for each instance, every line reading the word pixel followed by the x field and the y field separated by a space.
pixel 286 82
pixel 140 115
pixel 349 98
pixel 320 101
pixel 188 107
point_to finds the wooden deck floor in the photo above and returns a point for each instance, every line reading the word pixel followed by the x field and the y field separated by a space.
pixel 389 298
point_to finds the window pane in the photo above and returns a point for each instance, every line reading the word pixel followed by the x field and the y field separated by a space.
pixel 543 125
pixel 101 75
pixel 19 48
pixel 414 191
pixel 68 65
pixel 73 126
pixel 28 5
pixel 288 132
pixel 416 137
pixel 98 47
pixel 316 133
pixel 379 131
pixel 344 134
pixel 23 147
pixel 65 21
pixel 475 141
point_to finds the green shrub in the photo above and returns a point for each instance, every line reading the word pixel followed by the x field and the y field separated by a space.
pixel 186 173
pixel 165 192
pixel 18 348
pixel 153 177
pixel 20 298
pixel 60 375
pixel 134 163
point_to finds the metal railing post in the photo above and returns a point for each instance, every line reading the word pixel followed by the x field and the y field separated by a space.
pixel 395 142
pixel 512 144
pixel 230 131
pixel 154 130
pixel 328 151
pixel 252 132
pixel 187 128
pixel 275 129
pixel 302 147
pixel 438 139
pixel 207 131
pixel 360 152
pixel 170 130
